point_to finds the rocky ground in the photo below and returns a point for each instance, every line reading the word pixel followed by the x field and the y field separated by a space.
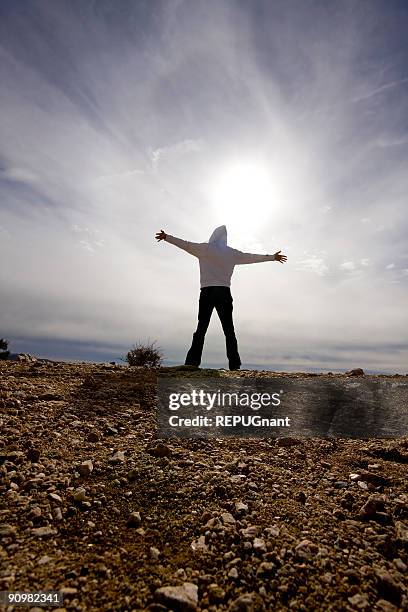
pixel 93 505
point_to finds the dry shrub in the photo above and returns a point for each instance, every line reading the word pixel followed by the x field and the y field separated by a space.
pixel 145 355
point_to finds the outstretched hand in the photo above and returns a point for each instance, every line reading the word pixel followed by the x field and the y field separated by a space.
pixel 279 257
pixel 161 235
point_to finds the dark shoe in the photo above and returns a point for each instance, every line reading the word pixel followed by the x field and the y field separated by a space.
pixel 235 368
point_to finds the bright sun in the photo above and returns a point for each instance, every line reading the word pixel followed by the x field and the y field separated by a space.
pixel 242 194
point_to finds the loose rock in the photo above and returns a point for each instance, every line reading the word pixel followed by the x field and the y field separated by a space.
pixel 216 594
pixel 33 454
pixel 80 495
pixel 118 457
pixel 178 598
pixel 134 519
pixel 85 468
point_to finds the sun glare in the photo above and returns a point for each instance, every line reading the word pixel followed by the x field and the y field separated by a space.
pixel 242 194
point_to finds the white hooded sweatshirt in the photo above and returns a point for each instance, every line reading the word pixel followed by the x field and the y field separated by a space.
pixel 217 259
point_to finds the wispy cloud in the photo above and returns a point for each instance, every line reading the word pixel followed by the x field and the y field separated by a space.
pixel 314 263
pixel 381 89
pixel 175 152
pixel 348 266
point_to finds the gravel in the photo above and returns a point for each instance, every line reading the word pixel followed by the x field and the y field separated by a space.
pixel 92 504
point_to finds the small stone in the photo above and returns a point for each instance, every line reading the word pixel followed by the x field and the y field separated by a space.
pixel 301 497
pixel 33 455
pixel 359 601
pixel 233 573
pixel 85 468
pixel 133 475
pixel 287 442
pixel 305 549
pixel 373 505
pixel 266 568
pixel 383 605
pixel 43 560
pixel 111 431
pixel 51 397
pixel 249 602
pixel 353 576
pixel 93 437
pixel 400 565
pixel 160 450
pixel 250 532
pixel 212 523
pixel 57 514
pixel 241 508
pixel 199 545
pixel 401 533
pixel 347 500
pixel 259 545
pixel 154 553
pixel 178 598
pixel 388 588
pixel 273 531
pixel 71 574
pixel 340 484
pixel 80 495
pixel 375 479
pixel 227 518
pixel 118 457
pixel 7 531
pixel 356 372
pixel 35 514
pixel 55 498
pixel 216 594
pixel 206 516
pixel 134 519
pixel 68 590
pixel 43 532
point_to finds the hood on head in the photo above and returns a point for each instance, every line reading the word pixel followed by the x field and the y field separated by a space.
pixel 219 235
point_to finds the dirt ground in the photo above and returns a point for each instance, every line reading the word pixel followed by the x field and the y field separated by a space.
pixel 93 505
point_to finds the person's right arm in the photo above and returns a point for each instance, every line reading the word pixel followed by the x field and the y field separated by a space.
pixel 194 248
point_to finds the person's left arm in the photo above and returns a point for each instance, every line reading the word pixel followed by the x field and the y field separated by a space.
pixel 247 258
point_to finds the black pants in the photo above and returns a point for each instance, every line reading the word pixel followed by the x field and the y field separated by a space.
pixel 219 298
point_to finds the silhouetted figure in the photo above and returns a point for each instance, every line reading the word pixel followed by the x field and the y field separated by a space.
pixel 217 261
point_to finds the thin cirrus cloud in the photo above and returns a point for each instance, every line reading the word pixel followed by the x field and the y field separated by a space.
pixel 120 119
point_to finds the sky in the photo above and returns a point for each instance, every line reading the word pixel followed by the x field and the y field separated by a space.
pixel 285 120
